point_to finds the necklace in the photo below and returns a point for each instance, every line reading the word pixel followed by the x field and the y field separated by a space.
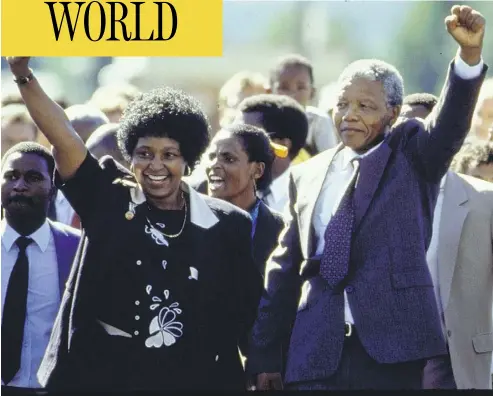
pixel 158 234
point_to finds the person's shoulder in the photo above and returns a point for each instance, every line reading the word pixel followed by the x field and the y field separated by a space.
pixel 478 185
pixel 316 113
pixel 65 229
pixel 223 209
pixel 314 163
pixel 275 216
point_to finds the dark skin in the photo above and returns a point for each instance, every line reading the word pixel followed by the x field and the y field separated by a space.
pixel 414 111
pixel 294 81
pixel 27 192
pixel 159 159
pixel 231 174
pixel 362 115
pixel 255 118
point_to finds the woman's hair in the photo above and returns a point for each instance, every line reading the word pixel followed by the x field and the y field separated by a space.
pixel 256 144
pixel 165 112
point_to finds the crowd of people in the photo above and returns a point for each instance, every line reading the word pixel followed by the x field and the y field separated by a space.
pixel 342 246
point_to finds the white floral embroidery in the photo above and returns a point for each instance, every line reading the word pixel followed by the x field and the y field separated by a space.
pixel 157 236
pixel 164 329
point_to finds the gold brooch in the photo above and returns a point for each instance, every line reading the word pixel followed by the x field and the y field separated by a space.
pixel 129 215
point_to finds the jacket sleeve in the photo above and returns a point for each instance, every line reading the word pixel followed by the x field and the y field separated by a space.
pixel 431 149
pixel 277 307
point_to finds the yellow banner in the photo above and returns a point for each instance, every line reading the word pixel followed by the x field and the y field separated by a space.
pixel 112 28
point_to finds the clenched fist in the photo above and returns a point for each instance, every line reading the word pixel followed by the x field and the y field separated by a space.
pixel 19 65
pixel 467 27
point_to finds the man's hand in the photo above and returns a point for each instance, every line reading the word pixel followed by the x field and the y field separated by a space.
pixel 19 65
pixel 467 27
pixel 269 381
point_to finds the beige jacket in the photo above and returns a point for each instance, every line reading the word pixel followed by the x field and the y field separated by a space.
pixel 465 277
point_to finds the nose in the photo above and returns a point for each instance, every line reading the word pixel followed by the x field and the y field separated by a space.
pixel 20 185
pixel 156 163
pixel 350 114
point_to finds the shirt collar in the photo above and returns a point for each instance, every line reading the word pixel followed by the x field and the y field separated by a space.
pixel 442 183
pixel 349 154
pixel 200 212
pixel 280 185
pixel 41 236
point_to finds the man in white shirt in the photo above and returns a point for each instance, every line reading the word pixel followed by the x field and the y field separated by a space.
pixel 36 258
pixel 363 314
pixel 286 123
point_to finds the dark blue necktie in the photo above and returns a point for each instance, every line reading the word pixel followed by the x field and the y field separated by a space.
pixel 337 250
pixel 14 313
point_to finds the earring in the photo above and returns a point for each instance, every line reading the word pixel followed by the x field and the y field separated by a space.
pixel 254 185
pixel 188 170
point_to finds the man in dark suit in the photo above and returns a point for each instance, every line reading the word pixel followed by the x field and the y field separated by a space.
pixel 355 246
pixel 36 258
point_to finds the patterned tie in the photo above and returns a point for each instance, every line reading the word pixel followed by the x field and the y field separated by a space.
pixel 335 257
pixel 14 313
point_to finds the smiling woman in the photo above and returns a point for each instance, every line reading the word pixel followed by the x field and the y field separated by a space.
pixel 239 161
pixel 160 279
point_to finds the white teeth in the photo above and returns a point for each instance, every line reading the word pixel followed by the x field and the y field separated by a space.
pixel 157 178
pixel 215 178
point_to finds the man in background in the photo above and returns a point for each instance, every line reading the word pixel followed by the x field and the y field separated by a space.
pixel 36 258
pixel 461 250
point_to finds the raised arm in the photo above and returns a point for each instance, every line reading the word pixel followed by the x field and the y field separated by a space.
pixel 68 148
pixel 450 121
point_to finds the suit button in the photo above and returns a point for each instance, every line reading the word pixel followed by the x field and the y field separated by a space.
pixel 136 332
pixel 217 358
pixel 349 289
pixel 137 317
pixel 449 333
pixel 139 262
pixel 137 302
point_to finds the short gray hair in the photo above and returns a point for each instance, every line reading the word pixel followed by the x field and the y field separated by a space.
pixel 377 70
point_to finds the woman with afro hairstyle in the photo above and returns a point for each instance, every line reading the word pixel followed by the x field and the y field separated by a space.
pixel 164 285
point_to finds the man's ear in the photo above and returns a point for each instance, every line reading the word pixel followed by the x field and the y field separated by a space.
pixel 396 111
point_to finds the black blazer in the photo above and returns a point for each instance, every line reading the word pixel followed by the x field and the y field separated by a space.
pixel 230 285
pixel 269 225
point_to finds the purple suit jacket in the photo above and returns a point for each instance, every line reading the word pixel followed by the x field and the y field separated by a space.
pixel 66 243
pixel 389 287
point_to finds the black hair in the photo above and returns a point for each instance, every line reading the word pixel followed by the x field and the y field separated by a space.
pixel 291 60
pixel 32 148
pixel 165 112
pixel 426 100
pixel 282 118
pixel 256 144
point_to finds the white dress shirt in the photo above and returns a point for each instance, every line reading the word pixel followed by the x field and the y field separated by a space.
pixel 43 297
pixel 339 175
pixel 432 253
pixel 335 184
pixel 64 211
pixel 278 197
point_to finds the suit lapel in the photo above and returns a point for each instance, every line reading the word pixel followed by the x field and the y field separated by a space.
pixel 313 186
pixel 371 171
pixel 453 215
pixel 64 256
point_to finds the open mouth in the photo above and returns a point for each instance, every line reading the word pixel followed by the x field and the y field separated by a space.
pixel 215 183
pixel 156 180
